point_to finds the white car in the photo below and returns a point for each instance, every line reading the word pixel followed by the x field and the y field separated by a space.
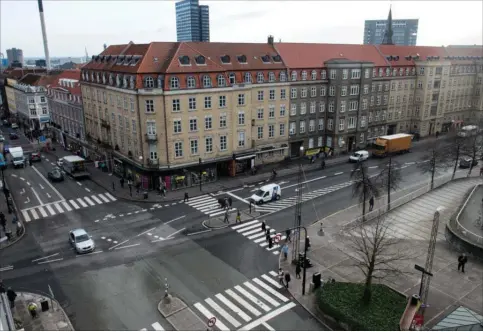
pixel 2 138
pixel 81 241
pixel 14 126
pixel 360 155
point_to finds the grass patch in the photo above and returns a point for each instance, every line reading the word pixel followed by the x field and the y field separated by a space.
pixel 343 302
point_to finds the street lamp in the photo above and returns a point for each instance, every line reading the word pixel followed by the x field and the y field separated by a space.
pixel 423 272
pixel 201 173
pixel 304 276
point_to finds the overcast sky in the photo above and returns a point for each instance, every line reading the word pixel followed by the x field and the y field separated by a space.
pixel 74 25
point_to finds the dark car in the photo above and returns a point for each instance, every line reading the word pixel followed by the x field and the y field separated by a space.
pixel 13 135
pixel 56 175
pixel 466 162
pixel 35 156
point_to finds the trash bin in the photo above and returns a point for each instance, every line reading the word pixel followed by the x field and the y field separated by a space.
pixel 145 195
pixel 317 280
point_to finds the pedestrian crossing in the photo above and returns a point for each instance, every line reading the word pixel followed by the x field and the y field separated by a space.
pixel 253 231
pixel 155 327
pixel 291 201
pixel 207 204
pixel 236 307
pixel 51 209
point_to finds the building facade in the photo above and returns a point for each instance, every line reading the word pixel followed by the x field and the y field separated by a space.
pixel 405 32
pixel 15 55
pixel 192 21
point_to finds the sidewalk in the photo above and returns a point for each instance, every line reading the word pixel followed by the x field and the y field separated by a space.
pixel 55 319
pixel 11 226
pixel 410 224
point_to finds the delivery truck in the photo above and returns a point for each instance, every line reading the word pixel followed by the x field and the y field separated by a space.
pixel 75 166
pixel 17 156
pixel 392 144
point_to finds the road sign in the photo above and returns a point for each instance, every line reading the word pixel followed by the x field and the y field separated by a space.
pixel 212 321
pixel 277 238
pixel 41 138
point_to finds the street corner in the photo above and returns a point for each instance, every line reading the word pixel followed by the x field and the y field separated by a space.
pixel 170 305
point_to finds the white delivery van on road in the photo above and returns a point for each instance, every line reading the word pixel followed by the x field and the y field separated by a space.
pixel 75 166
pixel 18 159
pixel 267 193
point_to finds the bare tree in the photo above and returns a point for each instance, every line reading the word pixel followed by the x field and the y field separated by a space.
pixel 434 161
pixel 390 178
pixel 472 148
pixel 376 253
pixel 453 150
pixel 364 186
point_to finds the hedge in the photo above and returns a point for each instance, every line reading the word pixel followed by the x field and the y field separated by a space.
pixel 343 302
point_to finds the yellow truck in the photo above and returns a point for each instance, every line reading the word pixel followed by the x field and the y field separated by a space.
pixel 392 144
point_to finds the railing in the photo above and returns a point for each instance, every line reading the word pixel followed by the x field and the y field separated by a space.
pixel 464 231
pixel 151 137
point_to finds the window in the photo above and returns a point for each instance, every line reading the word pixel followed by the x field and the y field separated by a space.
pixel 322 106
pixel 372 100
pixel 283 77
pixel 134 125
pixel 293 93
pixel 271 95
pixel 379 87
pixel 351 124
pixel 125 103
pixel 193 124
pixel 232 78
pixel 241 118
pixel 191 82
pixel 283 94
pixel 241 99
pixel 208 122
pixel 311 143
pixel 363 121
pixel 323 91
pixel 223 120
pixel 282 110
pixel 361 138
pixel 260 95
pixel 271 77
pixel 354 90
pixel 192 103
pixel 271 131
pixel 282 129
pixel 333 74
pixel 356 74
pixel 345 74
pixel 380 72
pixel 271 111
pixel 313 75
pixel 294 75
pixel 131 102
pixel 421 70
pixel 343 105
pixel 178 149
pixel 260 113
pixel 303 92
pixel 331 107
pixel 44 110
pixel 223 143
pixel 176 105
pixel 313 91
pixel 241 139
pixel 194 146
pixel 343 91
pixel 303 108
pixel 293 109
pixel 221 81
pixel 386 87
pixel 222 101
pixel 173 83
pixel 302 127
pixel 209 144
pixel 207 102
pixel 341 124
pixel 353 105
pixel 304 75
pixel 321 124
pixel 391 100
pixel 332 90
pixel 149 106
pixel 312 125
pixel 312 107
pixel 420 84
pixel 330 124
pixel 260 132
pixel 293 126
pixel 323 74
pixel 366 89
pixel 148 82
pixel 150 127
pixel 260 78
pixel 388 72
pixel 378 100
pixel 206 81
pixel 364 104
pixel 320 141
pixel 367 73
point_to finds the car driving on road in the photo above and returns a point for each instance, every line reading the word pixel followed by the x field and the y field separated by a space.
pixel 465 162
pixel 35 156
pixel 360 155
pixel 55 175
pixel 81 241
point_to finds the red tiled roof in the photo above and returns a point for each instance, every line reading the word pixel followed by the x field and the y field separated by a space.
pixel 17 73
pixel 404 51
pixel 30 79
pixel 308 55
pixel 157 57
pixel 116 50
pixel 476 50
pixel 74 74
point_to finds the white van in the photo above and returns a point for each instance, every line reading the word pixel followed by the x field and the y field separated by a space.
pixel 18 159
pixel 267 193
pixel 360 155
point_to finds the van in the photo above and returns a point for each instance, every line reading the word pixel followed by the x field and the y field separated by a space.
pixel 18 159
pixel 360 155
pixel 267 193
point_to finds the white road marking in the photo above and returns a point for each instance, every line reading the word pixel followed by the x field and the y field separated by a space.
pixel 167 222
pixel 149 230
pixel 52 164
pixel 223 312
pixel 58 207
pixel 238 198
pixel 233 307
pixel 42 212
pixel 111 197
pixel 244 303
pixel 21 178
pixel 52 212
pixel 41 186
pixel 245 224
pixel 157 327
pixel 26 216
pixel 103 198
pixel 271 281
pixel 209 315
pixel 88 190
pixel 48 195
pixel 264 296
pixel 67 206
pixel 81 202
pixel 268 326
pixel 231 191
pixel 200 232
pixel 37 196
pixel 308 181
pixel 34 214
pixel 373 166
pixel 91 203
pixel 15 175
pixel 48 183
pixel 115 245
pixel 268 316
pixel 129 246
pixel 270 289
pixel 80 184
pixel 252 298
pixel 6 268
pixel 98 201
pixel 171 235
pixel 272 273
pixel 339 173
pixel 41 258
pixel 51 261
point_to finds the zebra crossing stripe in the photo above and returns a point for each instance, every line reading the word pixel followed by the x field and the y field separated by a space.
pixel 252 231
pixel 233 307
pixel 51 211
pixel 264 296
pixel 252 298
pixel 91 203
pixel 223 313
pixel 111 197
pixel 157 327
pixel 34 214
pixel 26 216
pixel 74 204
pixel 249 227
pixel 271 281
pixel 273 274
pixel 67 206
pixel 244 224
pixel 58 207
pixel 42 212
pixel 81 202
pixel 103 198
pixel 244 303
pixel 261 233
pixel 209 315
pixel 98 201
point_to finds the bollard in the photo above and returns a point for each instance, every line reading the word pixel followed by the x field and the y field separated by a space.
pixel 167 297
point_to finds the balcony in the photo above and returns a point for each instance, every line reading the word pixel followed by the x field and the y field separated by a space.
pixel 151 137
pixel 105 124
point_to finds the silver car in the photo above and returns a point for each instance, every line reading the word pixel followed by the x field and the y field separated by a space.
pixel 81 241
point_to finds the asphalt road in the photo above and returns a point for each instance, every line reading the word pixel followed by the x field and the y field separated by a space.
pixel 140 247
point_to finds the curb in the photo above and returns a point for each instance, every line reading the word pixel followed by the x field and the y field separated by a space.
pixel 211 227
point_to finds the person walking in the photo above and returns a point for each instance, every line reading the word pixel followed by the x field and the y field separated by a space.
pixel 238 217
pixel 287 279
pixel 462 260
pixel 11 295
pixel 371 203
pixel 186 197
pixel 226 203
pixel 298 269
pixel 287 235
pixel 267 234
pixel 280 276
pixel 285 251
pixel 32 308
pixel 264 226
pixel 225 220
pixel 3 221
pixel 230 201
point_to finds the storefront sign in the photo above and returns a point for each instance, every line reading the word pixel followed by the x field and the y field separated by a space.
pixel 44 119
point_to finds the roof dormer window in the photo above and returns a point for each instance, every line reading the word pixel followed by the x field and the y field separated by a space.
pixel 313 75
pixel 221 81
pixel 200 60
pixel 191 82
pixel 276 58
pixel 242 59
pixel 206 81
pixel 265 58
pixel 174 82
pixel 135 60
pixel 294 75
pixel 149 82
pixel 107 58
pixel 248 78
pixel 225 59
pixel 271 77
pixel 120 59
pixel 127 60
pixel 184 60
pixel 283 76
pixel 260 77
pixel 304 75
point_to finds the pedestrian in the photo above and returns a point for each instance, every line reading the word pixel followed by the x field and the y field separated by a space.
pixel 267 234
pixel 226 217
pixel 121 182
pixel 287 235
pixel 163 191
pixel 238 217
pixel 280 276
pixel 230 201
pixel 11 295
pixel 113 186
pixel 270 242
pixel 461 262
pixel 221 201
pixel 371 203
pixel 32 307
pixel 287 279
pixel 298 269
pixel 3 221
pixel 2 287
pixel 264 226
pixel 285 251
pixel 226 203
pixel 186 197
pixel 307 243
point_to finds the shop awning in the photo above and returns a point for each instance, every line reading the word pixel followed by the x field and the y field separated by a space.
pixel 246 157
pixel 311 152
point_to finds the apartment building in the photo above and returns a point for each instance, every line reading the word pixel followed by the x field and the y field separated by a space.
pixel 181 111
pixel 65 104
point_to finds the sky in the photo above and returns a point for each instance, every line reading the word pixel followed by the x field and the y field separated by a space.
pixel 75 25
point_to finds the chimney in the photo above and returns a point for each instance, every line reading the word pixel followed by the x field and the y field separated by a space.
pixel 270 40
pixel 44 34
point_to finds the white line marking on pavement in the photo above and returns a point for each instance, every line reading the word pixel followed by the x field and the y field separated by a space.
pixel 171 235
pixel 37 196
pixel 252 298
pixel 34 213
pixel 268 326
pixel 81 202
pixel 51 261
pixel 222 312
pixel 308 181
pixel 74 204
pixel 58 207
pixel 271 281
pixel 209 315
pixel 26 215
pixel 272 273
pixel 49 208
pixel 244 303
pixel 15 175
pixel 149 230
pixel 117 245
pixel 111 197
pixel 238 198
pixel 339 173
pixel 270 289
pixel 98 201
pixel 264 296
pixel 67 206
pixel 373 166
pixel 233 307
pixel 245 224
pixel 39 259
pixel 52 164
pixel 167 222
pixel 42 212
pixel 267 317
pixel 231 191
pixel 6 268
pixel 41 186
pixel 88 190
pixel 48 183
pixel 80 184
pixel 103 198
pixel 48 195
pixel 89 254
pixel 157 327
pixel 129 246
pixel 200 232
pixel 91 203
pixel 21 178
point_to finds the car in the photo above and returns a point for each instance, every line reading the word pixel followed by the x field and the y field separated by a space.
pixel 465 162
pixel 14 126
pixel 60 162
pixel 360 155
pixel 56 175
pixel 267 193
pixel 13 135
pixel 35 156
pixel 81 241
pixel 2 138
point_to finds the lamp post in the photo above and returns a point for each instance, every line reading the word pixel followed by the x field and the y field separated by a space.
pixel 298 205
pixel 304 276
pixel 201 173
pixel 423 272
